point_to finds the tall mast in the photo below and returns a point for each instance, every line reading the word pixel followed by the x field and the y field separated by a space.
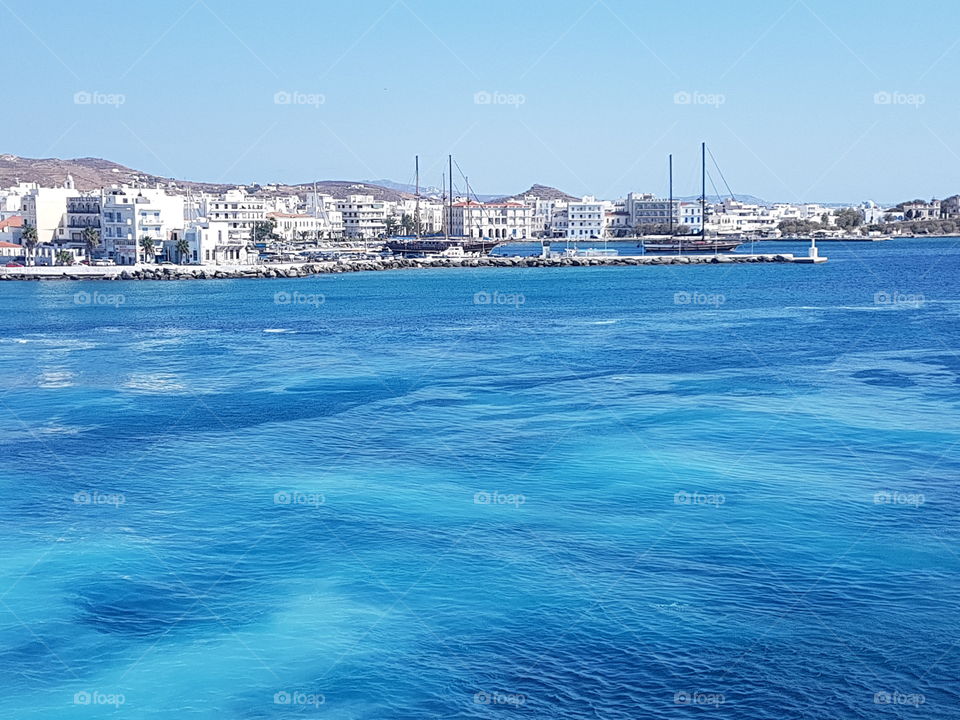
pixel 670 208
pixel 450 196
pixel 443 201
pixel 416 207
pixel 703 191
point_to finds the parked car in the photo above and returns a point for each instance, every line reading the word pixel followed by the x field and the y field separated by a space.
pixel 104 261
pixel 14 264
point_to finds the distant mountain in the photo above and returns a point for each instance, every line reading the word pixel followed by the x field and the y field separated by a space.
pixel 91 173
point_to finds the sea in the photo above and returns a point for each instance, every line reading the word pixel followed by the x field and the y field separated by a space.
pixel 713 491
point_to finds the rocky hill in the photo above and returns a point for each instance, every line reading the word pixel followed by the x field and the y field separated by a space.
pixel 544 192
pixel 91 173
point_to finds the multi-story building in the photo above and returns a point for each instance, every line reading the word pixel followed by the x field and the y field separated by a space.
pixel 239 210
pixel 46 209
pixel 83 211
pixel 646 209
pixel 732 217
pixel 325 208
pixel 922 210
pixel 128 215
pixel 497 221
pixel 298 227
pixel 363 217
pixel 586 219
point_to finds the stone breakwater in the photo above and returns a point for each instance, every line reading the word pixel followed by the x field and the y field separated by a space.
pixel 187 272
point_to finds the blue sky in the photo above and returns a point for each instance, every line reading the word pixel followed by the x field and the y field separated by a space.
pixel 589 96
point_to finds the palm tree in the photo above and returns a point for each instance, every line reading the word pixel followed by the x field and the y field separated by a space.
pixel 29 239
pixel 64 257
pixel 148 247
pixel 183 248
pixel 304 235
pixel 91 237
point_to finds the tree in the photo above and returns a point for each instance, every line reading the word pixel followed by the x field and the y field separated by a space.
pixel 392 225
pixel 148 246
pixel 848 218
pixel 263 230
pixel 183 248
pixel 406 224
pixel 63 257
pixel 30 239
pixel 304 235
pixel 91 238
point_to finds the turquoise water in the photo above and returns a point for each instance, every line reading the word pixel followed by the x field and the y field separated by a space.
pixel 638 492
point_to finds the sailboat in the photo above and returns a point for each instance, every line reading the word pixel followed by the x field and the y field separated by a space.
pixel 446 245
pixel 694 244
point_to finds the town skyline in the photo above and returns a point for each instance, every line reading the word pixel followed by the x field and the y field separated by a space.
pixel 799 100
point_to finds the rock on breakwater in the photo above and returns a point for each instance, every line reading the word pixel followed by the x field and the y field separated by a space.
pixel 187 272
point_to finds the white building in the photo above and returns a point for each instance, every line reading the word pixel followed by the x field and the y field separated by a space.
pixel 585 219
pixel 46 209
pixel 215 243
pixel 128 215
pixel 239 210
pixel 363 217
pixel 497 221
pixel 298 227
pixel 325 208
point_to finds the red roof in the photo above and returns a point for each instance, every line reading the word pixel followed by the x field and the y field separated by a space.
pixel 10 245
pixel 473 203
pixel 12 221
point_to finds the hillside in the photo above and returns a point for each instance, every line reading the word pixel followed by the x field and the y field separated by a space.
pixel 91 173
